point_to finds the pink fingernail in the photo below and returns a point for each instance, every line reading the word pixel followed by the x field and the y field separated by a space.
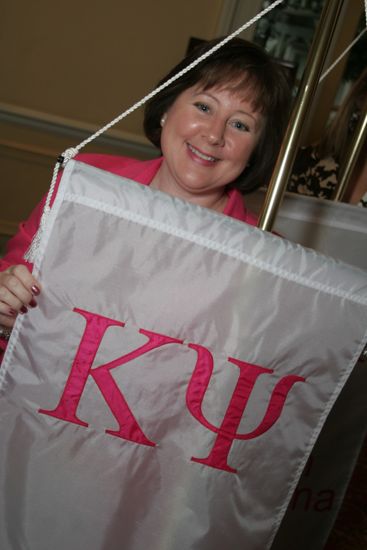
pixel 23 309
pixel 33 303
pixel 12 312
pixel 35 290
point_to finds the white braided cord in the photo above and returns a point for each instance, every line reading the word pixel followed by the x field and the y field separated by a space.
pixel 340 57
pixel 179 74
pixel 72 152
pixel 334 64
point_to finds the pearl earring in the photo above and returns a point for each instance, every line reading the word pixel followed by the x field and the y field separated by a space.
pixel 163 120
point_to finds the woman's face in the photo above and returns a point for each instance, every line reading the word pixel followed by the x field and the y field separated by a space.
pixel 207 140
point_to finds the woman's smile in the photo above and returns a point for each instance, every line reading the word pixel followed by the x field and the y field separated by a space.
pixel 196 153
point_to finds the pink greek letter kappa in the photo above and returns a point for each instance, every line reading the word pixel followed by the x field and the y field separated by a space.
pixel 82 368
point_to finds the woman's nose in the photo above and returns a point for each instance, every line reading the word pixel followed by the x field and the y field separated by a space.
pixel 216 132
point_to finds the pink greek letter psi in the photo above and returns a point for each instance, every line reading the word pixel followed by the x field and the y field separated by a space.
pixel 95 329
pixel 227 432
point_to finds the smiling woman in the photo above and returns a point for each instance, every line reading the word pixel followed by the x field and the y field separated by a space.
pixel 207 139
pixel 242 82
pixel 219 128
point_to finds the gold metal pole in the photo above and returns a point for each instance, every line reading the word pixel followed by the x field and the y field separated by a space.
pixel 288 150
pixel 351 157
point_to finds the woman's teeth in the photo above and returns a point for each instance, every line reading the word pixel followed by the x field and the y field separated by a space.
pixel 201 155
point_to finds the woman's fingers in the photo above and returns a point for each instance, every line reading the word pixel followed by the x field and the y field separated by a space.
pixel 22 273
pixel 18 288
pixel 10 301
pixel 13 292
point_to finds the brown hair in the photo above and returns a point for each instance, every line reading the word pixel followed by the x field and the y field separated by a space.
pixel 237 66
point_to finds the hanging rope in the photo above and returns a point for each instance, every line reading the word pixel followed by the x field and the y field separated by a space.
pixel 178 75
pixel 334 64
pixel 70 153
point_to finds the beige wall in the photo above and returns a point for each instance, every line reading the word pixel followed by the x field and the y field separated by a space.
pixel 68 68
pixel 94 59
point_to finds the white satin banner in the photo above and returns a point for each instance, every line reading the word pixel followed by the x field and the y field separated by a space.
pixel 169 388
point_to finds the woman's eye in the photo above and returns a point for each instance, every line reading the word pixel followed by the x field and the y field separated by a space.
pixel 202 107
pixel 240 126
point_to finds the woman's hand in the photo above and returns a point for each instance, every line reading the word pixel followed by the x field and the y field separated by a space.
pixel 18 288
